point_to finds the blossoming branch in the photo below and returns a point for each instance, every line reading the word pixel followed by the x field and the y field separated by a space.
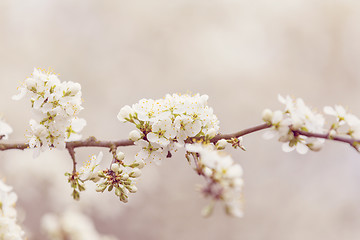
pixel 161 128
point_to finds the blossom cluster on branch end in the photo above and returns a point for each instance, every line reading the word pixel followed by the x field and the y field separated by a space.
pixel 302 128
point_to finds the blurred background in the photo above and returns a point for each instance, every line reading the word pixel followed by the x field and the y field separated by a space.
pixel 242 54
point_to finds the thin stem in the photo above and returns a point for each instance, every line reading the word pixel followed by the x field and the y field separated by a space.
pixel 241 133
pixel 113 152
pixel 72 154
pixel 197 166
pixel 353 142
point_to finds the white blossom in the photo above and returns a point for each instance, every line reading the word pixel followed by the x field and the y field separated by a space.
pixel 162 131
pixel 71 224
pixel 225 173
pixel 345 120
pixel 89 170
pixel 186 127
pixel 149 151
pixel 9 229
pixel 56 105
pixel 295 116
pixel 338 111
pixel 5 130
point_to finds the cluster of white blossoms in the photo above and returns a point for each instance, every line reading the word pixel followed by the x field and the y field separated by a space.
pixel 9 229
pixel 175 121
pixel 165 124
pixel 295 116
pixel 56 105
pixel 346 123
pixel 5 130
pixel 71 225
pixel 224 177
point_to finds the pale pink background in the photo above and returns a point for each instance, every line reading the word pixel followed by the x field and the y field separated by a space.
pixel 242 54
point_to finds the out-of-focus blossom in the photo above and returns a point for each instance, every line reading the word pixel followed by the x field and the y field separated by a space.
pixel 72 225
pixel 9 229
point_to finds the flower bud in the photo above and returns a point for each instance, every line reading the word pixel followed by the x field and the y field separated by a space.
pixel 76 195
pixel 120 156
pixel 267 115
pixel 81 186
pixel 135 173
pixel 207 210
pixel 221 144
pixel 134 135
pixel 124 113
pixel 101 173
pixel 125 176
pixel 123 198
pixel 101 187
pixel 115 167
pixel 125 191
pixel 117 192
pixel 141 164
pixel 133 189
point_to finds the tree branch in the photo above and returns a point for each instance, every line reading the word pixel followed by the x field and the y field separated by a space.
pixel 93 142
pixel 89 142
pixel 241 133
pixel 353 142
pixel 72 154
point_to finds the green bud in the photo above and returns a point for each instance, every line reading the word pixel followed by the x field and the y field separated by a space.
pixel 81 187
pixel 117 192
pixel 74 184
pixel 101 173
pixel 125 176
pixel 101 187
pixel 76 195
pixel 208 210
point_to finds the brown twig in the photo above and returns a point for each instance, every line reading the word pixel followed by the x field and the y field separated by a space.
pixel 89 142
pixel 351 141
pixel 93 142
pixel 240 133
pixel 72 154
